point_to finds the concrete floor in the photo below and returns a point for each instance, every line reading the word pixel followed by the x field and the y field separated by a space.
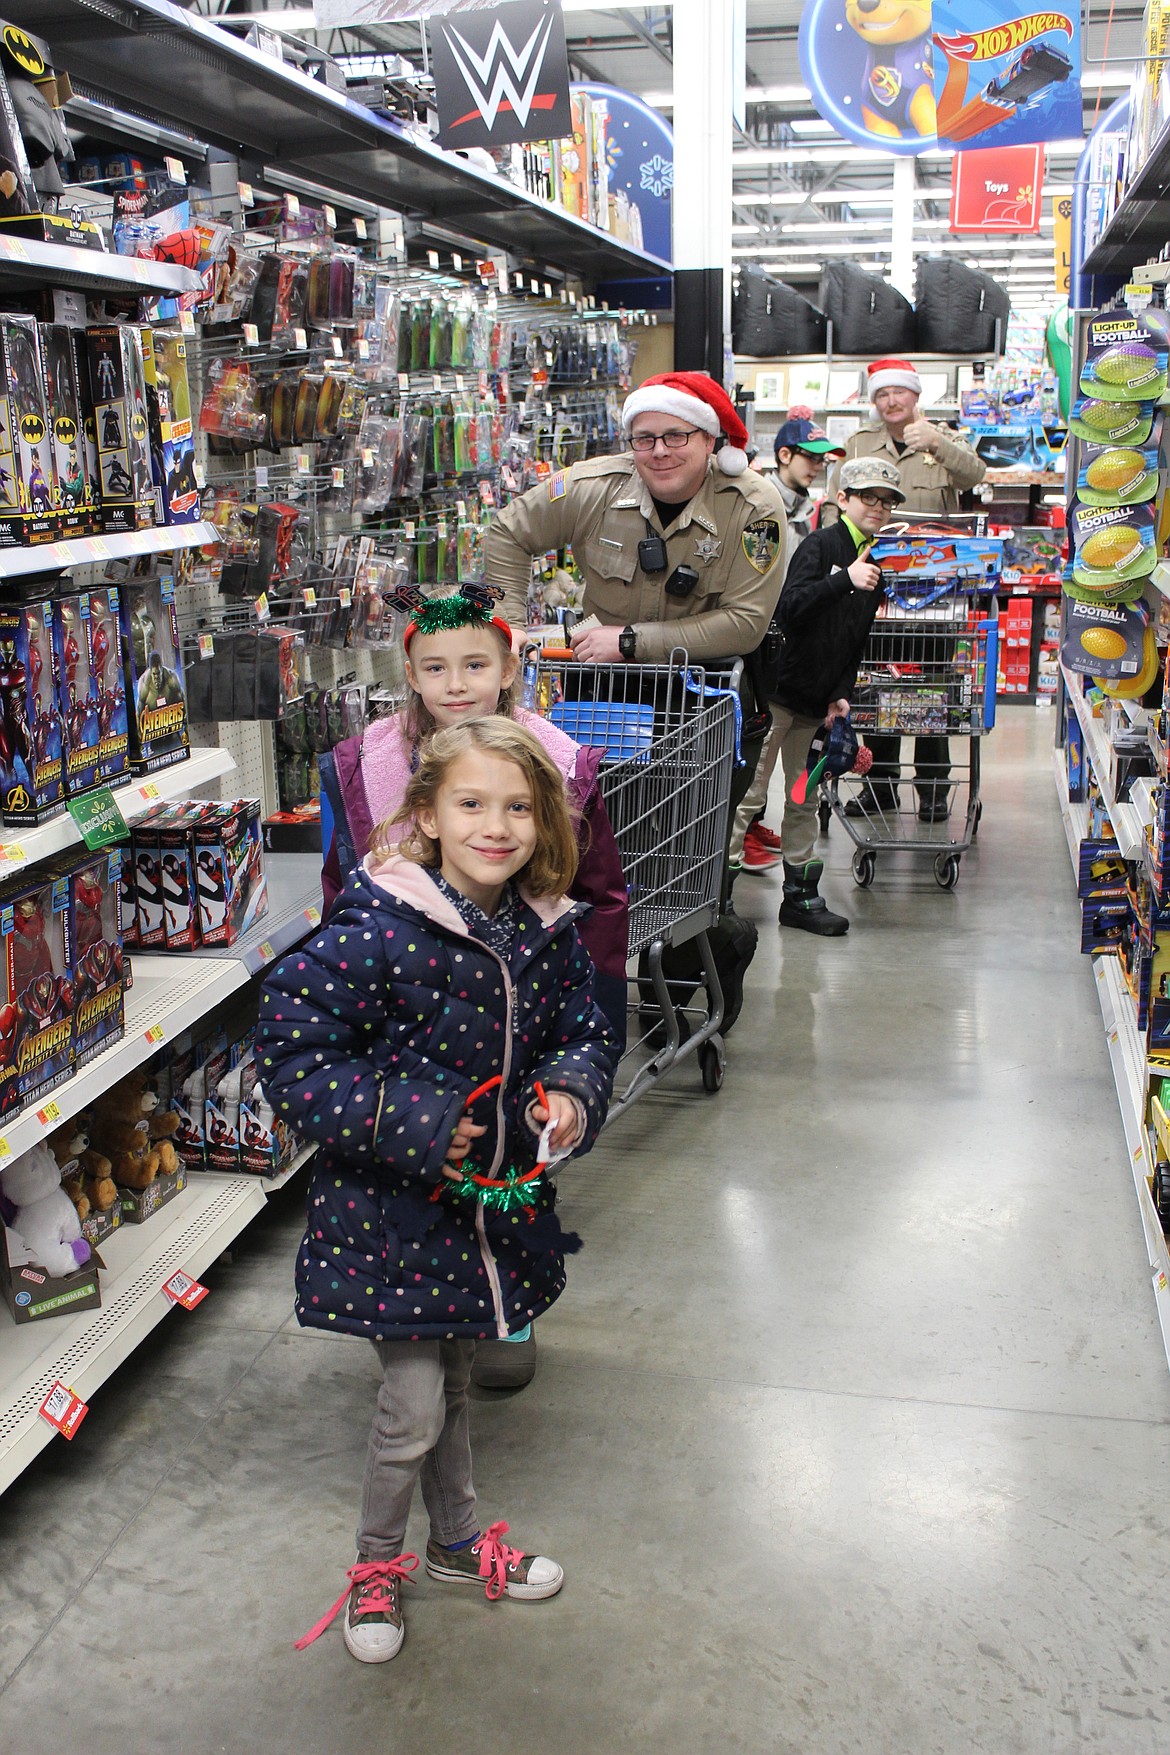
pixel 850 1431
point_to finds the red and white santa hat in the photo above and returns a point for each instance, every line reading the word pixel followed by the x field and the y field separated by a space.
pixel 892 374
pixel 701 402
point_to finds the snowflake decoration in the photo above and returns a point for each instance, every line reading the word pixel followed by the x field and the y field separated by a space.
pixel 657 175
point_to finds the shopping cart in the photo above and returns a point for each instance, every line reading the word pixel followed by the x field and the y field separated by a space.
pixel 928 671
pixel 671 736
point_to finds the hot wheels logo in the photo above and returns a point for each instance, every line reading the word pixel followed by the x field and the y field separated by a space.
pixel 1003 39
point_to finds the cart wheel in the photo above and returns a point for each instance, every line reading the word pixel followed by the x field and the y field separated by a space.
pixel 712 1061
pixel 825 813
pixel 978 815
pixel 863 869
pixel 946 871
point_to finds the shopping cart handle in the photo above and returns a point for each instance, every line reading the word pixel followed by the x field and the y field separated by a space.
pixel 560 652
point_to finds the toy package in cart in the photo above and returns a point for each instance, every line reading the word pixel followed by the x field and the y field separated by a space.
pixel 152 667
pixel 32 766
pixel 229 872
pixel 923 561
pixel 28 488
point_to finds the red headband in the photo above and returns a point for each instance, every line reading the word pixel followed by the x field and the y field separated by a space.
pixel 496 622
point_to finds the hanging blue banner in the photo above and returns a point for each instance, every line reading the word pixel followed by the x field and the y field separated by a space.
pixel 871 73
pixel 640 158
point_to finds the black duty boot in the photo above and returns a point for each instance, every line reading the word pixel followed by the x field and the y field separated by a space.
pixel 803 907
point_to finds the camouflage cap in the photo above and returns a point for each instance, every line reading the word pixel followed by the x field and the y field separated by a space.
pixel 870 472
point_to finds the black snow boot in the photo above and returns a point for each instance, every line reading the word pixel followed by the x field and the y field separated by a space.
pixel 803 907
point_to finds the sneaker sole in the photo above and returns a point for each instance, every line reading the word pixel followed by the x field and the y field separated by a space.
pixel 522 1593
pixel 365 1655
pixel 759 870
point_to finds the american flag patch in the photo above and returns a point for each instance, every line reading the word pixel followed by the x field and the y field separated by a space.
pixel 557 486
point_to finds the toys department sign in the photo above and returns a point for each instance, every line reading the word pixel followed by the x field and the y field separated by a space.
pixel 501 76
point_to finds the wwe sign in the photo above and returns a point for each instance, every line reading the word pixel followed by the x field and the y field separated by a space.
pixel 501 76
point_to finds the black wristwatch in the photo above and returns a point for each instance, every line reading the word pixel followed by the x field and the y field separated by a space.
pixel 628 644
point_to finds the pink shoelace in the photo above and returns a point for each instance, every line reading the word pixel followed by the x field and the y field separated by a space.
pixel 495 1558
pixel 375 1576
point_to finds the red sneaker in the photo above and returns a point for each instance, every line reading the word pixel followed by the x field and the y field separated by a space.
pixel 757 857
pixel 766 837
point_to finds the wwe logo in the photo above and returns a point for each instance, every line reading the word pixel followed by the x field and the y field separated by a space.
pixel 503 67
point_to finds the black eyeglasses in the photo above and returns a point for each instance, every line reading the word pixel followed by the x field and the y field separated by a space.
pixel 674 440
pixel 887 505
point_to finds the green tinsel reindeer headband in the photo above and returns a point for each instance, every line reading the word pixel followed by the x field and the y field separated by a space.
pixel 469 607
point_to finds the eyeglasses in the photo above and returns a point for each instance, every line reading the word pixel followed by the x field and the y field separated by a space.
pixel 881 500
pixel 674 440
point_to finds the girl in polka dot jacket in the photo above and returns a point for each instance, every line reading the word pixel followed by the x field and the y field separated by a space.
pixel 436 1028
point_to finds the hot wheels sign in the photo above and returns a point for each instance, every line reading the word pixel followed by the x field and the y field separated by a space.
pixel 1003 39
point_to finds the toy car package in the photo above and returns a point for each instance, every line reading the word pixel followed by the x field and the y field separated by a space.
pixel 152 667
pixel 75 507
pixel 32 768
pixel 118 386
pixel 40 953
pixel 1124 361
pixel 172 442
pixel 105 669
pixel 28 488
pixel 77 703
pixel 98 995
pixel 1117 475
pixel 229 872
pixel 1113 546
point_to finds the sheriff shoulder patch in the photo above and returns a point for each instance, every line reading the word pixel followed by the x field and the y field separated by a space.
pixel 761 543
pixel 558 485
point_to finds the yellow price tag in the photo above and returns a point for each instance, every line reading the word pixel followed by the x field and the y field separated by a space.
pixel 338 476
pixel 267 951
pixel 251 335
pixel 15 247
pixel 49 1114
pixel 304 466
pixel 359 226
pixel 262 606
pixel 345 597
pixel 155 1033
pixel 313 916
pixel 207 646
pixel 5 1149
pixel 292 206
pixel 99 548
pixel 244 191
pixel 310 597
pixel 150 790
pixel 12 853
pixel 330 217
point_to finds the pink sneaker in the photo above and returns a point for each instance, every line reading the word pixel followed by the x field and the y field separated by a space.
pixel 372 1629
pixel 503 1571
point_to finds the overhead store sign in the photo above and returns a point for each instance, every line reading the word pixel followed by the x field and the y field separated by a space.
pixel 502 76
pixel 997 190
pixel 907 75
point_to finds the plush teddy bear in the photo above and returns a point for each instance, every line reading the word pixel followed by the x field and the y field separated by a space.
pixel 45 1222
pixel 100 1188
pixel 120 1121
pixel 67 1144
pixel 164 1125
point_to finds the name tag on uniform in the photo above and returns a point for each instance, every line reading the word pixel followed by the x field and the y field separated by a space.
pixel 610 542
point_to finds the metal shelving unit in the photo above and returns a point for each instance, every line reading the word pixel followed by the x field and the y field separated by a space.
pixel 1129 820
pixel 1138 225
pixel 84 551
pixel 175 67
pixel 26 263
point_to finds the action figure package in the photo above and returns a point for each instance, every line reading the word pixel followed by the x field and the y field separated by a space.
pixel 146 858
pixel 152 666
pixel 105 669
pixel 40 962
pixel 229 872
pixel 76 509
pixel 118 386
pixel 32 766
pixel 267 1144
pixel 98 997
pixel 177 859
pixel 172 442
pixel 87 438
pixel 77 704
pixel 28 489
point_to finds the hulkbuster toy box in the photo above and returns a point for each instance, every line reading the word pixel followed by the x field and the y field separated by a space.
pixel 28 488
pixel 37 1033
pixel 117 382
pixel 32 765
pixel 98 985
pixel 152 666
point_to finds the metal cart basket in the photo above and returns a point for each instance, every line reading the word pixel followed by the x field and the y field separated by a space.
pixel 671 737
pixel 928 670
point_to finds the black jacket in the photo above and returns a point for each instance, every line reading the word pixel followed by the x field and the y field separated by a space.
pixel 824 623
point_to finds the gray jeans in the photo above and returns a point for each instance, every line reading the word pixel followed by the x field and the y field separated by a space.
pixel 419 1429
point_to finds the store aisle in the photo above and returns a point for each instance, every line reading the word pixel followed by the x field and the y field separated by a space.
pixel 851 1431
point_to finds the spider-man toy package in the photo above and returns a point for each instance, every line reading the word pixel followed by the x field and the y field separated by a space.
pixel 229 873
pixel 117 382
pixel 152 666
pixel 266 1143
pixel 76 506
pixel 32 766
pixel 39 957
pixel 98 988
pixel 29 500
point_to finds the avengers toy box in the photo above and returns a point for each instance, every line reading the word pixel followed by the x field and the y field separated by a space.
pixel 172 441
pixel 98 988
pixel 76 505
pixel 117 382
pixel 35 926
pixel 77 704
pixel 152 667
pixel 28 488
pixel 229 873
pixel 32 766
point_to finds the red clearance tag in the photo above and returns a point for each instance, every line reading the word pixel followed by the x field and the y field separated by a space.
pixel 182 1289
pixel 64 1410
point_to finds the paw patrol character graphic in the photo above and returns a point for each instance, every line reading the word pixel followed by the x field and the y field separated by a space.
pixel 897 97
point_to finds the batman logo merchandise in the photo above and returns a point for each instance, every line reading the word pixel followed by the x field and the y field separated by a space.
pixel 32 429
pixel 23 51
pixel 65 430
pixel 138 428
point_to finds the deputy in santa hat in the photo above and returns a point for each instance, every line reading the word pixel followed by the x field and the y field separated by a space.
pixel 935 466
pixel 679 544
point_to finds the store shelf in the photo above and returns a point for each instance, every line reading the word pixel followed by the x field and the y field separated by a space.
pixel 270 1184
pixel 294 909
pixel 23 847
pixel 1075 817
pixel 83 1350
pixel 1160 578
pixel 26 263
pixel 1138 225
pixel 81 551
pixel 179 68
pixel 1129 820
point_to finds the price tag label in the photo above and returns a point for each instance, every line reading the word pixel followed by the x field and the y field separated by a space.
pixel 404 380
pixel 244 191
pixel 573 299
pixel 338 350
pixel 367 457
pixel 457 263
pixel 176 170
pixel 359 226
pixel 187 322
pixel 182 1289
pixel 262 607
pixel 267 951
pixel 330 217
pixel 262 475
pixel 519 281
pixel 344 596
pixel 99 818
pixel 207 645
pixel 49 1114
pixel 12 853
pixel 337 476
pixel 313 916
pixel 200 475
pixel 408 530
pixel 535 285
pixel 363 349
pixel 461 508
pixel 437 381
pixel 460 383
pixel 155 1033
pixel 304 463
pixel 5 1149
pixel 150 790
pixel 251 335
pixel 292 206
pixel 310 597
pixel 564 296
pixel 99 548
pixel 432 259
pixel 1160 1280
pixel 300 340
pixel 547 290
pixel 64 1410
pixel 441 529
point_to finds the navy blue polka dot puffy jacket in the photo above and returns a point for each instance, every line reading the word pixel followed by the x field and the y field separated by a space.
pixel 370 1039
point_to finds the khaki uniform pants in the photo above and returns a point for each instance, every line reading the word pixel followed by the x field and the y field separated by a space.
pixel 787 743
